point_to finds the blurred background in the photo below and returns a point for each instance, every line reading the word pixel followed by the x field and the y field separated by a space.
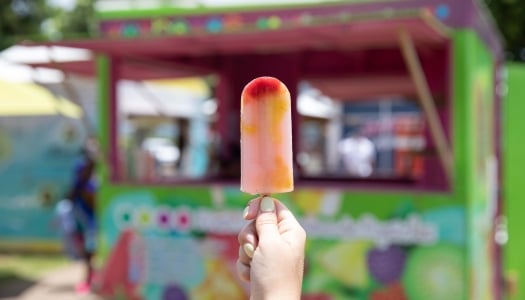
pixel 120 157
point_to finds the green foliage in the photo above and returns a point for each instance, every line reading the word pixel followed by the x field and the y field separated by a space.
pixel 21 18
pixel 510 18
pixel 77 23
pixel 36 20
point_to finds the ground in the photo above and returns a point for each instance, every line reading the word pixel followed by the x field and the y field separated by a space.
pixel 42 278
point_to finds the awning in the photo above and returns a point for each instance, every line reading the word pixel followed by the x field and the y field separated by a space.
pixel 198 54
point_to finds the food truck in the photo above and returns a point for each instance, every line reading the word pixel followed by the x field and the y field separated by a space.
pixel 414 86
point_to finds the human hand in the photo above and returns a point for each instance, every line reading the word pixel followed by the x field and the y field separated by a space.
pixel 271 252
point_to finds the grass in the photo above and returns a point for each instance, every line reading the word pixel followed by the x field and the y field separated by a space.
pixel 28 266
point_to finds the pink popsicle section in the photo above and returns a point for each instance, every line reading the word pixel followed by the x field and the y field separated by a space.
pixel 266 137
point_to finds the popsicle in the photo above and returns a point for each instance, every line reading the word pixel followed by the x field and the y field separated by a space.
pixel 266 137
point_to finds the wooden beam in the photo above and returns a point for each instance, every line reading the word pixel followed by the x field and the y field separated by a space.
pixel 427 102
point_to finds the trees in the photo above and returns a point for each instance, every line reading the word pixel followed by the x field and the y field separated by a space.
pixel 510 18
pixel 22 18
pixel 77 23
pixel 36 20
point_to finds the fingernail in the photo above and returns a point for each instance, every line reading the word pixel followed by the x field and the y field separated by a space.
pixel 245 212
pixel 267 204
pixel 248 249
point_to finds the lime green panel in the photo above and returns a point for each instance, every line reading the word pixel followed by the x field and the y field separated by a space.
pixel 462 137
pixel 178 11
pixel 103 98
pixel 475 161
pixel 514 173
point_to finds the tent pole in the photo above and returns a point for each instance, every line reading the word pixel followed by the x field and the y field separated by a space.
pixel 427 102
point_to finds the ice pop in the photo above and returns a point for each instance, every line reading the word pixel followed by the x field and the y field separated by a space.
pixel 266 137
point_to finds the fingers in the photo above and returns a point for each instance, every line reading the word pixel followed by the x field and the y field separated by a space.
pixel 271 221
pixel 286 220
pixel 262 209
pixel 288 224
pixel 243 270
pixel 266 221
pixel 248 234
pixel 283 213
pixel 252 209
pixel 247 243
pixel 265 225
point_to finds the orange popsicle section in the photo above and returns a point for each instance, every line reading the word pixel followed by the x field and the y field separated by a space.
pixel 266 137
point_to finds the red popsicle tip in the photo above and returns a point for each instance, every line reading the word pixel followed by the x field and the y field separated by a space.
pixel 262 86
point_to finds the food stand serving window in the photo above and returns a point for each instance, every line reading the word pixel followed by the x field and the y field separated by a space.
pixel 362 139
pixel 166 130
pixel 374 125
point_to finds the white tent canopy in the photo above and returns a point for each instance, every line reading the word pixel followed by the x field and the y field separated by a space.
pixel 147 99
pixel 136 98
pixel 13 60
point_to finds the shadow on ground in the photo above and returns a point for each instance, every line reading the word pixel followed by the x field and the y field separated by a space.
pixel 14 286
pixel 60 288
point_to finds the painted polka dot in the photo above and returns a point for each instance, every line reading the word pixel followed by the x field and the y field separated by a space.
pixel 143 218
pixel 181 220
pixel 233 22
pixel 179 28
pixel 123 216
pixel 442 11
pixel 262 23
pixel 130 30
pixel 163 218
pixel 214 25
pixel 274 22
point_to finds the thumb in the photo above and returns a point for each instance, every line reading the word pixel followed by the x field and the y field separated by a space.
pixel 266 222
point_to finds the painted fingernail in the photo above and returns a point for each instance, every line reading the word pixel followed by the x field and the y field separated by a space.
pixel 248 249
pixel 267 204
pixel 245 212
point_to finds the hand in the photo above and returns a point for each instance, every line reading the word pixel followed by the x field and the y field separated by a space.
pixel 271 252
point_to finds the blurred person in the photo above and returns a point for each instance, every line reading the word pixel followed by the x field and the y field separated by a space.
pixel 271 252
pixel 358 155
pixel 64 221
pixel 83 197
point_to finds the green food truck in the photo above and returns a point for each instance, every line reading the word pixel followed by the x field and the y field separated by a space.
pixel 415 214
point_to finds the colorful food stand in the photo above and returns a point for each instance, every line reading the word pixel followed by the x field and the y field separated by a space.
pixel 41 137
pixel 424 234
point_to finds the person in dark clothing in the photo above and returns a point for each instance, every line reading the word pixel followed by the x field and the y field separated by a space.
pixel 83 197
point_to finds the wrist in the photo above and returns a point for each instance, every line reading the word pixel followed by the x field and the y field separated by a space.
pixel 283 295
pixel 277 293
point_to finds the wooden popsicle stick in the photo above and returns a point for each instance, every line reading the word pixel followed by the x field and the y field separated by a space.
pixel 427 102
